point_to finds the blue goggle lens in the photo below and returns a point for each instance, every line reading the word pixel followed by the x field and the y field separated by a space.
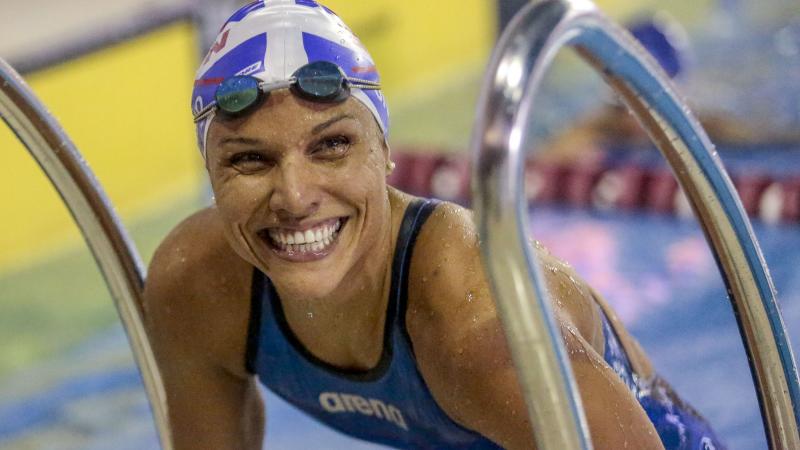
pixel 236 94
pixel 321 81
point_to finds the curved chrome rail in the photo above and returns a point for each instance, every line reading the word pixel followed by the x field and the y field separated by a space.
pixel 92 211
pixel 521 59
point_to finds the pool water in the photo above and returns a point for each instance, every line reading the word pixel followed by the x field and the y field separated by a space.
pixel 656 270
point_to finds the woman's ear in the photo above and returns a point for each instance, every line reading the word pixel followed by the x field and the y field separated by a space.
pixel 387 155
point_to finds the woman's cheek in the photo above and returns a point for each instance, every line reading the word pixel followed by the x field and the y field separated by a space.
pixel 234 201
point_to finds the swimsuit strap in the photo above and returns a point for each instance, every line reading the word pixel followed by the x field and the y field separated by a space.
pixel 415 216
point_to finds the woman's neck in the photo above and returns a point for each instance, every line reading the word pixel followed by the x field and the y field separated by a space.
pixel 346 328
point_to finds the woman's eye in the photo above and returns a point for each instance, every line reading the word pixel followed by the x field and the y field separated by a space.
pixel 332 147
pixel 248 161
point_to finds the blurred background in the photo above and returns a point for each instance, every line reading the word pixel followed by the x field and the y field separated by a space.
pixel 118 77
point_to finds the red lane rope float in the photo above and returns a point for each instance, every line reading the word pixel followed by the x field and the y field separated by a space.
pixel 627 187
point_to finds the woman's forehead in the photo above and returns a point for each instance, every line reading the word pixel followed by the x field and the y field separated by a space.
pixel 286 114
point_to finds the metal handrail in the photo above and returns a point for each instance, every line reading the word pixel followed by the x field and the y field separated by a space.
pixel 113 250
pixel 518 65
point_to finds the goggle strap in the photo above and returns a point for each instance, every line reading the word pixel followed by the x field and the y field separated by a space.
pixel 366 86
pixel 205 112
pixel 363 84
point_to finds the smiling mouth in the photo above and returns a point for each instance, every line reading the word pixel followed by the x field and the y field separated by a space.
pixel 304 245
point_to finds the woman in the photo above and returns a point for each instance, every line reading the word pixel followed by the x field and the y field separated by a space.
pixel 365 307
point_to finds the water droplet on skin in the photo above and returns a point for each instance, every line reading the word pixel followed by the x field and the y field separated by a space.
pixel 470 296
pixel 310 315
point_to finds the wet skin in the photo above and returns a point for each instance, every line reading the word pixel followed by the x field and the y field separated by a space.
pixel 288 167
pixel 292 166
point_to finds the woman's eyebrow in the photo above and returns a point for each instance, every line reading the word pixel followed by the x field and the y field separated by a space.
pixel 318 128
pixel 239 140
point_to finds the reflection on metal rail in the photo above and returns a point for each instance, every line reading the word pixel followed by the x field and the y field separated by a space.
pixel 520 61
pixel 102 230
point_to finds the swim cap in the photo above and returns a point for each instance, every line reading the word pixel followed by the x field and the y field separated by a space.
pixel 270 39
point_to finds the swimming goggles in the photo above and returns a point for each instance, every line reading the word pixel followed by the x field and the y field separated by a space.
pixel 319 81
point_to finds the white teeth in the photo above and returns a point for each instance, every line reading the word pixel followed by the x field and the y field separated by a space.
pixel 308 241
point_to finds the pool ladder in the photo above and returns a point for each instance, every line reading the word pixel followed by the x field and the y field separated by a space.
pixel 110 244
pixel 519 62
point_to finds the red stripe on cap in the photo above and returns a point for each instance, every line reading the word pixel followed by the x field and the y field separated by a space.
pixel 364 69
pixel 207 81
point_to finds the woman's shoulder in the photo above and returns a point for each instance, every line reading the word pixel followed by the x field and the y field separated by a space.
pixel 447 274
pixel 196 251
pixel 197 292
pixel 448 280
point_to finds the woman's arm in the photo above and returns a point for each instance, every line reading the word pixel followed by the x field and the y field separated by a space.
pixel 210 408
pixel 197 308
pixel 463 356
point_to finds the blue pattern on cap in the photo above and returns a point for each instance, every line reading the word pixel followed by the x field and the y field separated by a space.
pixel 247 55
pixel 355 64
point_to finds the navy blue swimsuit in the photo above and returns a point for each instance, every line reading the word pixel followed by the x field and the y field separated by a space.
pixel 390 404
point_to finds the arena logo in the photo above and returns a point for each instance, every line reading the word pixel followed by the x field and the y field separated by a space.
pixel 334 402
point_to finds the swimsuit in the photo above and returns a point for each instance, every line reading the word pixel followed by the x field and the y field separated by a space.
pixel 390 404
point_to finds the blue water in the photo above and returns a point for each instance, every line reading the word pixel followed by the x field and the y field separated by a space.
pixel 656 270
pixel 660 276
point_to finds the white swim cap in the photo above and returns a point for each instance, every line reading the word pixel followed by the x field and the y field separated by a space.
pixel 270 39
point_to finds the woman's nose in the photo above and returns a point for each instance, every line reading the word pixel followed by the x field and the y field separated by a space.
pixel 294 195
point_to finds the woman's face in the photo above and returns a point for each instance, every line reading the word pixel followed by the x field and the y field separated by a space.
pixel 301 187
